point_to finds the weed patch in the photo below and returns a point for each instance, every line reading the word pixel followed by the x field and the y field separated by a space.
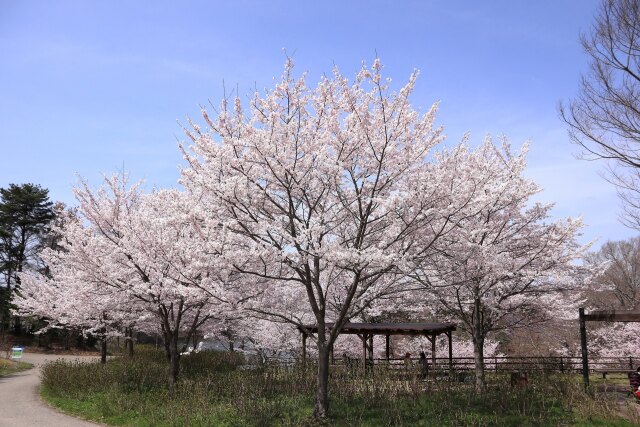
pixel 215 390
pixel 8 367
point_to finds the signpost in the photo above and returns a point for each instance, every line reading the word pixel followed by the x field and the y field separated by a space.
pixel 16 352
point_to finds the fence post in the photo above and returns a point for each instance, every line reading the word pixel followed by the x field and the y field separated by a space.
pixel 561 365
pixel 304 350
pixel 495 363
pixel 450 355
pixel 630 363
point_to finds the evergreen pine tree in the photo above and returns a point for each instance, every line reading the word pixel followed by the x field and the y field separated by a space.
pixel 25 215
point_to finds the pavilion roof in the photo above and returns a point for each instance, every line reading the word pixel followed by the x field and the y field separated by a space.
pixel 389 328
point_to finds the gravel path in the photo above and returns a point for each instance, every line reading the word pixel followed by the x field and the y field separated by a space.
pixel 20 404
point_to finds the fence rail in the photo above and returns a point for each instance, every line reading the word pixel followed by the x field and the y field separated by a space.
pixel 513 363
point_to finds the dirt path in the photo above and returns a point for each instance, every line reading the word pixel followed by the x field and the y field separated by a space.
pixel 20 404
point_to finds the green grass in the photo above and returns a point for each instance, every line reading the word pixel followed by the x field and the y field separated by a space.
pixel 8 367
pixel 94 407
pixel 213 392
pixel 426 411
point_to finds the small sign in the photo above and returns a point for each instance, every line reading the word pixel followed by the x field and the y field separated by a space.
pixel 16 352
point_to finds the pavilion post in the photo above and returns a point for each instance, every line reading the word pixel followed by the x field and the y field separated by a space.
pixel 433 352
pixel 450 352
pixel 583 344
pixel 333 357
pixel 364 352
pixel 304 349
pixel 386 347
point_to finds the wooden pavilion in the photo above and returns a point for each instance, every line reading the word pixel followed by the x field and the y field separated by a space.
pixel 600 316
pixel 366 332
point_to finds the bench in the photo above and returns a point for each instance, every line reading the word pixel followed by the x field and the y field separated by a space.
pixel 608 371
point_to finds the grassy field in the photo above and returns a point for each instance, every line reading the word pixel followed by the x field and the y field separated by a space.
pixel 8 367
pixel 215 391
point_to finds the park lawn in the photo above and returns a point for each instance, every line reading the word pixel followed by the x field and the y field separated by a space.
pixel 427 411
pixel 8 367
pixel 213 391
pixel 95 407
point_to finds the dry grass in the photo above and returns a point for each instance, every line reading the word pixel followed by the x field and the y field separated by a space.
pixel 8 367
pixel 214 390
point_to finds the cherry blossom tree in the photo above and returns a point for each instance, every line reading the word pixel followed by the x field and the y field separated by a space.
pixel 616 340
pixel 69 302
pixel 136 253
pixel 506 263
pixel 273 340
pixel 326 192
pixel 461 346
pixel 61 295
pixel 616 287
pixel 167 249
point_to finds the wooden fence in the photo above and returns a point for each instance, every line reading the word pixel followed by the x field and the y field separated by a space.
pixel 517 363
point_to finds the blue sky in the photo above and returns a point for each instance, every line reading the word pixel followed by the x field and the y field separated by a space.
pixel 87 87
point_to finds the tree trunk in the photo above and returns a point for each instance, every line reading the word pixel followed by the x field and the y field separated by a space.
pixel 9 276
pixel 166 342
pixel 79 340
pixel 129 341
pixel 173 356
pixel 321 404
pixel 17 325
pixel 174 363
pixel 478 335
pixel 130 347
pixel 103 350
pixel 478 358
